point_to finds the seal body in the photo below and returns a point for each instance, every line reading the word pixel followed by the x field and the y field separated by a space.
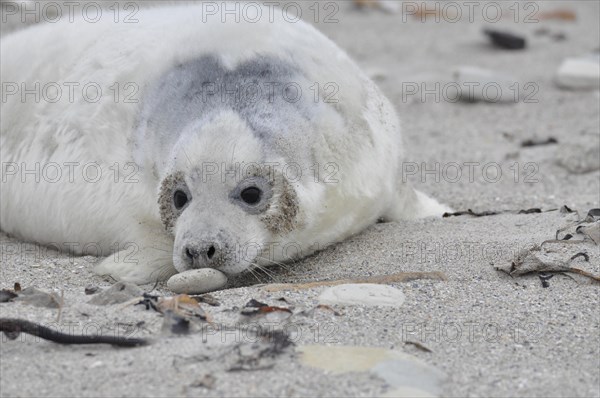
pixel 171 144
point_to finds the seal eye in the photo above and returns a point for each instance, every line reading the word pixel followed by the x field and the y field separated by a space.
pixel 179 199
pixel 251 195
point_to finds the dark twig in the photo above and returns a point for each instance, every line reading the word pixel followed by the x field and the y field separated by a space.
pixel 12 328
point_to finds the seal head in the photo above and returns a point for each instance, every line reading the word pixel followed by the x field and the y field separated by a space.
pixel 225 196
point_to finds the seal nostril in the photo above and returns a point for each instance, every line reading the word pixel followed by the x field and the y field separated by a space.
pixel 211 252
pixel 191 254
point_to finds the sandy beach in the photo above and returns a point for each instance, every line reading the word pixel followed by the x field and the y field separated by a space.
pixel 470 329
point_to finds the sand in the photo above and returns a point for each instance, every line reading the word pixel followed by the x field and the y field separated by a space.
pixel 490 334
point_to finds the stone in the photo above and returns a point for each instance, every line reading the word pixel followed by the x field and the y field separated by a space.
pixel 118 293
pixel 38 298
pixel 390 6
pixel 478 84
pixel 506 40
pixel 579 73
pixel 577 158
pixel 197 281
pixel 367 294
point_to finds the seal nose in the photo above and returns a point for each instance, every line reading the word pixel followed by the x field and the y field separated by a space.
pixel 201 255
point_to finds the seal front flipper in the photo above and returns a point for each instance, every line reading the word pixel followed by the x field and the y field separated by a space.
pixel 138 265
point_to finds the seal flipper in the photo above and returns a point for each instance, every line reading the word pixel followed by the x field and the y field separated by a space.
pixel 411 204
pixel 144 265
pixel 429 207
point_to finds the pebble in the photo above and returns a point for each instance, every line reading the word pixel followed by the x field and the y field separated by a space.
pixel 197 281
pixel 390 6
pixel 577 158
pixel 478 84
pixel 38 298
pixel 367 294
pixel 579 73
pixel 120 292
pixel 91 289
pixel 506 40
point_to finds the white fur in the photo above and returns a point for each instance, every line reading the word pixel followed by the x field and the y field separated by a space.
pixel 364 142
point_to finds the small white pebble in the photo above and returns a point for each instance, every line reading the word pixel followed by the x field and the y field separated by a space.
pixel 478 84
pixel 579 73
pixel 197 281
pixel 96 364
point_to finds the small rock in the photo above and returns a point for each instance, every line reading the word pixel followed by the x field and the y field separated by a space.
pixel 7 295
pixel 206 381
pixel 506 40
pixel 579 73
pixel 97 364
pixel 479 84
pixel 197 281
pixel 390 6
pixel 118 293
pixel 367 294
pixel 91 289
pixel 578 159
pixel 38 298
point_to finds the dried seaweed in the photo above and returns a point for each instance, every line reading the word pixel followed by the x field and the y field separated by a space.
pixel 254 307
pixel 470 212
pixel 529 261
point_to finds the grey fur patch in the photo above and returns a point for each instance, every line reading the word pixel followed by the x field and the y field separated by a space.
pixel 168 213
pixel 201 88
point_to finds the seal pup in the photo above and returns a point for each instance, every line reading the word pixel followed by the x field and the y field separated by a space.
pixel 176 143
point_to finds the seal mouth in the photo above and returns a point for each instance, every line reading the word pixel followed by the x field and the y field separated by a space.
pixel 216 253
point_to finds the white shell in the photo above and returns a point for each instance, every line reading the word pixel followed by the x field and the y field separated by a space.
pixel 366 294
pixel 197 281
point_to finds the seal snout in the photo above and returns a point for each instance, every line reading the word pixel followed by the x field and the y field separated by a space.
pixel 202 254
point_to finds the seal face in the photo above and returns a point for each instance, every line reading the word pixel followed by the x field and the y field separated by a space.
pixel 251 144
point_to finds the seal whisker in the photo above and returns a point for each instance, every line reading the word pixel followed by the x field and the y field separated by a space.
pixel 187 157
pixel 264 270
pixel 282 265
pixel 251 270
